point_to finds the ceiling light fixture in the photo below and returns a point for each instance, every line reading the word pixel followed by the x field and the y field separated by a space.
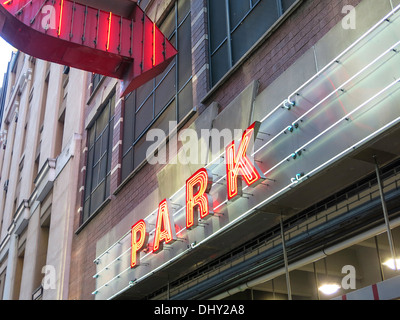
pixel 329 289
pixel 392 265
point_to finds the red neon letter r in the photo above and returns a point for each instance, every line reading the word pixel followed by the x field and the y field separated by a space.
pixel 198 203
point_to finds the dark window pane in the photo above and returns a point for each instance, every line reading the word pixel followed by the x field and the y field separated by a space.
pixel 104 140
pixel 185 59
pixel 88 184
pixel 97 150
pixel 219 63
pixel 102 120
pixel 237 10
pixel 183 9
pixel 91 136
pixel 286 4
pixel 144 117
pixel 110 147
pixel 95 175
pixel 168 26
pixel 185 99
pixel 253 27
pixel 98 197
pixel 217 16
pixel 143 93
pixel 140 150
pixel 127 164
pixel 128 123
pixel 165 91
pixel 168 115
pixel 86 210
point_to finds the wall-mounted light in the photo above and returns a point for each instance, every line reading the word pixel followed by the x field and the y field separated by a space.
pixel 329 288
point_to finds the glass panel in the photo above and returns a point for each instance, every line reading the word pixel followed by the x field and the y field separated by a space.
pixel 110 146
pixel 253 27
pixel 86 212
pixel 95 177
pixel 217 16
pixel 91 136
pixel 168 115
pixel 98 197
pixel 102 120
pixel 165 91
pixel 104 140
pixel 127 164
pixel 286 4
pixel 220 63
pixel 237 10
pixel 168 26
pixel 140 151
pixel 107 194
pixel 142 93
pixel 103 168
pixel 185 99
pixel 184 59
pixel 128 123
pixel 183 9
pixel 144 117
pixel 97 150
pixel 88 182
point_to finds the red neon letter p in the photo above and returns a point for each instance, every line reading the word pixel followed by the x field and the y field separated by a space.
pixel 138 239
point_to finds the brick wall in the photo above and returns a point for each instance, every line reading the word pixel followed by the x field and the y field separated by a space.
pixel 309 23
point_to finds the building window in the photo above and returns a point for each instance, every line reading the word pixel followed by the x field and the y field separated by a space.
pixel 95 81
pixel 235 26
pixel 168 97
pixel 98 166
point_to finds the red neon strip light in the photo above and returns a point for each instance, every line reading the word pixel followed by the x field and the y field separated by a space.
pixel 61 16
pixel 165 227
pixel 154 44
pixel 202 182
pixel 239 163
pixel 109 32
pixel 7 2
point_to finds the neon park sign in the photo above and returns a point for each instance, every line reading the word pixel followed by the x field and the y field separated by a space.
pixel 239 167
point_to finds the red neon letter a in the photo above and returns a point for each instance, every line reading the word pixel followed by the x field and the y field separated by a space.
pixel 138 239
pixel 165 227
pixel 198 202
pixel 239 163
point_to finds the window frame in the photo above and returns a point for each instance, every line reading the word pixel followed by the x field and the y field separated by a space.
pixel 110 103
pixel 229 32
pixel 156 83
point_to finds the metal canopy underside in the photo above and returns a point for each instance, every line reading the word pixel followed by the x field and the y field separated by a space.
pixel 120 7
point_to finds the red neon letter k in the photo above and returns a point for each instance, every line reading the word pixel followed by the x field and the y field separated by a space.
pixel 238 163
